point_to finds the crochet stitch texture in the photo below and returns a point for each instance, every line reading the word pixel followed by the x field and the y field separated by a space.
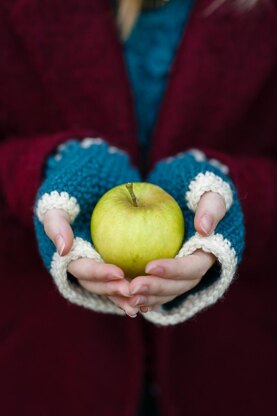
pixel 81 172
pixel 75 179
pixel 187 178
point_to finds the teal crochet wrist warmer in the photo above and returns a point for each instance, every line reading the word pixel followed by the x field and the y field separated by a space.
pixel 187 177
pixel 76 177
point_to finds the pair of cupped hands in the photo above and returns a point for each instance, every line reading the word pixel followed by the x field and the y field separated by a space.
pixel 169 277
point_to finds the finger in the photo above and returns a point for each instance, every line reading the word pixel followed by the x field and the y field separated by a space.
pixel 154 302
pixel 151 302
pixel 123 304
pixel 57 228
pixel 145 286
pixel 112 288
pixel 88 269
pixel 188 267
pixel 211 209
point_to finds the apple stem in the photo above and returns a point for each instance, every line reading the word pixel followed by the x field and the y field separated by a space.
pixel 129 186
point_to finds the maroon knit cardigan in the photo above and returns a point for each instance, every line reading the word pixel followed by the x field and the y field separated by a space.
pixel 62 74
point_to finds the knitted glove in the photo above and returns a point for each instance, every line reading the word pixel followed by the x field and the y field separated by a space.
pixel 75 179
pixel 187 177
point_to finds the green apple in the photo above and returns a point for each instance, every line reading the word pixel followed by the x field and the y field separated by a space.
pixel 135 223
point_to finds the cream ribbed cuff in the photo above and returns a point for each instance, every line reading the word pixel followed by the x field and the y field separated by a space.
pixel 206 182
pixel 74 293
pixel 56 200
pixel 194 303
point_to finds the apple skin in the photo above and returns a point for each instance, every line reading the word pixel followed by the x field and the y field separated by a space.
pixel 130 236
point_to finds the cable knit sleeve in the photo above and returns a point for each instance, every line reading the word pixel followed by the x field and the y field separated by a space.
pixel 187 177
pixel 75 178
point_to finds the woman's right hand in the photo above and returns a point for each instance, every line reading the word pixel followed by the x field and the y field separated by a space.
pixel 98 278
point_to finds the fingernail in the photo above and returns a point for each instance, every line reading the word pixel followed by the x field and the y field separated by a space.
pixel 113 276
pixel 126 293
pixel 145 309
pixel 139 289
pixel 157 270
pixel 141 300
pixel 206 224
pixel 135 290
pixel 60 244
pixel 131 316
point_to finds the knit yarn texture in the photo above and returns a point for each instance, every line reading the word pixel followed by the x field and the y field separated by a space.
pixel 177 176
pixel 75 179
pixel 81 172
pixel 184 177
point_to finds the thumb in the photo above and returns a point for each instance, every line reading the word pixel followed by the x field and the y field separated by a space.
pixel 57 227
pixel 211 209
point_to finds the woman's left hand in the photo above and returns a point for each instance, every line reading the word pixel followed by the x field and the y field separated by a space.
pixel 173 277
